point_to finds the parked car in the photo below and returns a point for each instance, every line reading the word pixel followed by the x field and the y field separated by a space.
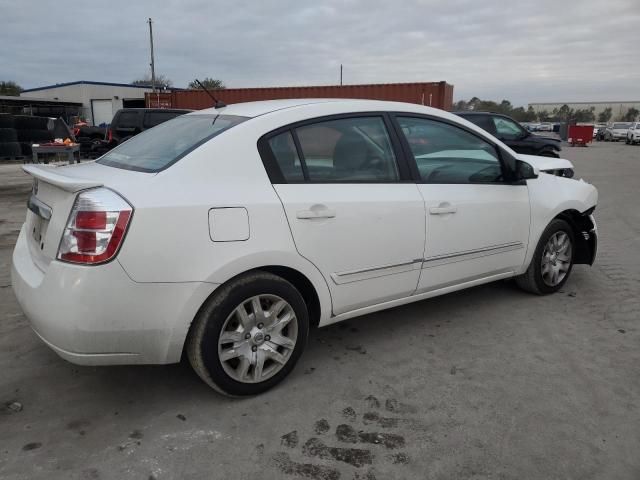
pixel 227 233
pixel 596 129
pixel 616 131
pixel 599 133
pixel 633 134
pixel 128 122
pixel 513 134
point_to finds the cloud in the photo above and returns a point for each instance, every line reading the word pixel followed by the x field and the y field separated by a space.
pixel 525 51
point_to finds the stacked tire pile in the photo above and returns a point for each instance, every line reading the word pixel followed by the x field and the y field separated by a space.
pixel 19 132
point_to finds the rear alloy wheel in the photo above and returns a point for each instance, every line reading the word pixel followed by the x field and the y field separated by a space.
pixel 552 261
pixel 249 334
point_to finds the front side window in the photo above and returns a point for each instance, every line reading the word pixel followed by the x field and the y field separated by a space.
pixel 507 129
pixel 348 150
pixel 448 154
pixel 159 147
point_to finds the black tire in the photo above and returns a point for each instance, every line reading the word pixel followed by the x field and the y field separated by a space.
pixel 30 123
pixel 6 121
pixel 202 341
pixel 10 149
pixel 8 135
pixel 531 280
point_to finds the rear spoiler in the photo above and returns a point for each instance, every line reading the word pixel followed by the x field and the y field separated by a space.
pixel 49 175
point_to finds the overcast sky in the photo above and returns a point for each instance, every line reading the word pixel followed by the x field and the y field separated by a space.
pixel 525 51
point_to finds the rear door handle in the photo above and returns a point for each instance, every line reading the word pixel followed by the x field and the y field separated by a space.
pixel 443 209
pixel 316 211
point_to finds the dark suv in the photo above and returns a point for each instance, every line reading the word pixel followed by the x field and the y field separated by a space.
pixel 513 134
pixel 128 122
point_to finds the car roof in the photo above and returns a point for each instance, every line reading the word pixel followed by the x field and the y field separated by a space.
pixel 255 109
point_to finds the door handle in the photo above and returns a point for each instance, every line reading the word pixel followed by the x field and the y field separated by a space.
pixel 316 211
pixel 443 209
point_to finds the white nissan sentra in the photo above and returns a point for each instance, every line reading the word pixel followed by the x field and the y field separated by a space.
pixel 225 234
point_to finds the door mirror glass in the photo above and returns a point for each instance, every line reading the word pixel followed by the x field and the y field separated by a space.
pixel 526 171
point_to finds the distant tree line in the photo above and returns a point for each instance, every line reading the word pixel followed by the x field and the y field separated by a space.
pixel 10 88
pixel 562 114
pixel 164 81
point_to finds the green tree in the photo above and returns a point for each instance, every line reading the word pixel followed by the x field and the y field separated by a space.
pixel 209 84
pixel 10 88
pixel 605 115
pixel 544 116
pixel 631 115
pixel 161 81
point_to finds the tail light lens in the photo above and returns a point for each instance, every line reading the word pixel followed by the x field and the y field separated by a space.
pixel 76 131
pixel 96 227
pixel 109 135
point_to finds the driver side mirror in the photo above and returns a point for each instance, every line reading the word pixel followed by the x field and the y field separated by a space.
pixel 525 171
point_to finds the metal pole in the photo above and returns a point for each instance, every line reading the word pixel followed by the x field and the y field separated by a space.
pixel 153 70
pixel 340 74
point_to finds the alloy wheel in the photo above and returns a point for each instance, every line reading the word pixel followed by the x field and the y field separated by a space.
pixel 556 259
pixel 257 338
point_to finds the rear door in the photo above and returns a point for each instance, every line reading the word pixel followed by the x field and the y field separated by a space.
pixel 353 210
pixel 477 223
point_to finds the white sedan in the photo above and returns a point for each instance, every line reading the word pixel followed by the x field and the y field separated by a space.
pixel 227 233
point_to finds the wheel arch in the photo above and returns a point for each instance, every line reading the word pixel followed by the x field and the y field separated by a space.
pixel 583 232
pixel 316 304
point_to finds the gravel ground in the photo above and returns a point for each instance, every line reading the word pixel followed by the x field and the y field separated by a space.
pixel 489 383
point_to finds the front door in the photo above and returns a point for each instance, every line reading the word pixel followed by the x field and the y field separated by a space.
pixel 477 224
pixel 351 210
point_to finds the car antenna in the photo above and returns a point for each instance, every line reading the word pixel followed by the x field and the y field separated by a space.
pixel 216 103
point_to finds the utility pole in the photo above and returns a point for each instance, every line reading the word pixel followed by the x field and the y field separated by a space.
pixel 153 69
pixel 340 74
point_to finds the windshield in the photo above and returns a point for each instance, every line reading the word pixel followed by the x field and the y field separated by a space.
pixel 160 147
pixel 620 126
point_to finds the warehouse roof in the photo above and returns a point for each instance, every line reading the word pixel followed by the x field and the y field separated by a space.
pixel 86 82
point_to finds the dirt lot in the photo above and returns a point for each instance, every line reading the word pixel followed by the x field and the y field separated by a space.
pixel 486 383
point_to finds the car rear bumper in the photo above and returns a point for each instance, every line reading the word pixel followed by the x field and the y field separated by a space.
pixel 97 315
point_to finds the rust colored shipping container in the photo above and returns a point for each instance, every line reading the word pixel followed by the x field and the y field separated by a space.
pixel 436 94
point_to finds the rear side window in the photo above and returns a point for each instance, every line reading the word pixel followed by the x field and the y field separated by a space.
pixel 348 150
pixel 286 155
pixel 483 121
pixel 447 154
pixel 151 119
pixel 128 119
pixel 156 149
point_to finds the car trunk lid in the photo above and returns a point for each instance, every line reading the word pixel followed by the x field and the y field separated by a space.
pixel 53 195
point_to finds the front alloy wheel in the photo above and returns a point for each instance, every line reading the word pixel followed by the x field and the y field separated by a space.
pixel 552 260
pixel 556 259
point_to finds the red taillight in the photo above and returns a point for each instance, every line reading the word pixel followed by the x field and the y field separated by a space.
pixel 92 220
pixel 109 135
pixel 76 131
pixel 96 227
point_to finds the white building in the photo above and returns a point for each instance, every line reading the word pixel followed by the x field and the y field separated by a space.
pixel 618 109
pixel 100 100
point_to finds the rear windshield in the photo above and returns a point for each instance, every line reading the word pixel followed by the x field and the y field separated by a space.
pixel 160 147
pixel 620 126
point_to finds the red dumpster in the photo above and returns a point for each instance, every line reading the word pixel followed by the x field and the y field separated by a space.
pixel 580 135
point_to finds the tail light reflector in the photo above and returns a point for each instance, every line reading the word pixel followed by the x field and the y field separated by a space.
pixel 96 227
